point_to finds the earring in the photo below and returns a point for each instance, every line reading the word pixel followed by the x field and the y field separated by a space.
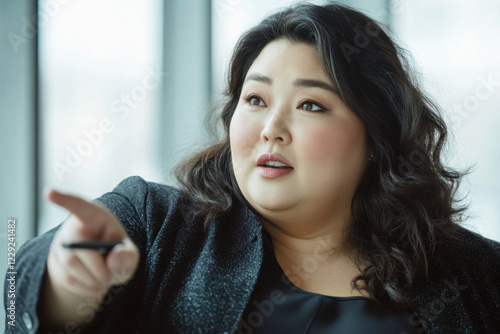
pixel 371 157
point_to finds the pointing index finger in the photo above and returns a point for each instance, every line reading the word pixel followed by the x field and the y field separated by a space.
pixel 81 208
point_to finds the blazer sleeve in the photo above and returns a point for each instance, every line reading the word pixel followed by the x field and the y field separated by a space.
pixel 127 202
pixel 20 307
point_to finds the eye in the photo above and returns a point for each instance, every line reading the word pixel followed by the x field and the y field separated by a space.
pixel 311 106
pixel 254 100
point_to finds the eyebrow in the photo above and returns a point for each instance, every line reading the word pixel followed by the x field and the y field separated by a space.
pixel 309 83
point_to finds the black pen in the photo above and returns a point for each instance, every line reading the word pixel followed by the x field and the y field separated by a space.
pixel 100 246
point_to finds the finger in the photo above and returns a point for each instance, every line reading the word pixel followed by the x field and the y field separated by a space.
pixel 75 270
pixel 92 260
pixel 95 264
pixel 82 209
pixel 76 287
pixel 123 261
pixel 63 278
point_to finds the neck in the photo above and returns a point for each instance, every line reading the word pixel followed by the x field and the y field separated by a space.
pixel 320 242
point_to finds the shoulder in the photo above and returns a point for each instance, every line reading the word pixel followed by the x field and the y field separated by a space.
pixel 142 195
pixel 148 210
pixel 462 285
pixel 472 246
pixel 136 188
pixel 471 255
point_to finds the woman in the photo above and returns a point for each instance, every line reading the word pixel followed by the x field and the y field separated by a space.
pixel 324 207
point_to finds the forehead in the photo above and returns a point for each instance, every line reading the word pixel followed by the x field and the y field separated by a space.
pixel 283 57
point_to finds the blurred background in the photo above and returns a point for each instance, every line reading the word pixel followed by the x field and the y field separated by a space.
pixel 94 91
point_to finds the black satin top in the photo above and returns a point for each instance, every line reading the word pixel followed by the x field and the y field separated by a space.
pixel 278 306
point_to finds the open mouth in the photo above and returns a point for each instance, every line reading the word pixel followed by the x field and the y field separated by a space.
pixel 273 166
pixel 276 165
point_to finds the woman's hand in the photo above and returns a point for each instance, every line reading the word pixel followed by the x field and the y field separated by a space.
pixel 74 274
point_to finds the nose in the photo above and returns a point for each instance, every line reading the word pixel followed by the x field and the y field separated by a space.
pixel 276 129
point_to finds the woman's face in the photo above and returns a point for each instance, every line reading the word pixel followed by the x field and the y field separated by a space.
pixel 288 107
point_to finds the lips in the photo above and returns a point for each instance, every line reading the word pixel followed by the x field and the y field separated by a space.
pixel 273 157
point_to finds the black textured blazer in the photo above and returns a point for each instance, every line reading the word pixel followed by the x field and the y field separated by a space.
pixel 192 280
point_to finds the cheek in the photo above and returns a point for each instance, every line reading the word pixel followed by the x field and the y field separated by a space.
pixel 242 138
pixel 242 135
pixel 334 144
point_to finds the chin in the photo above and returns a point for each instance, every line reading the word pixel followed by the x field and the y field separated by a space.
pixel 272 206
pixel 270 202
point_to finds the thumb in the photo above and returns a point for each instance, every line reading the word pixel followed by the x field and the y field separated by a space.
pixel 122 261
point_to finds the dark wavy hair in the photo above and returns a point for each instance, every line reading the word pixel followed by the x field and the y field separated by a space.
pixel 405 205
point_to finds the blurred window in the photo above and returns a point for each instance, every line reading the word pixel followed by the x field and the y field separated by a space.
pixel 100 87
pixel 456 47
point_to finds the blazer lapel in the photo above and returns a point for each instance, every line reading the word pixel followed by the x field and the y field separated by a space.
pixel 219 286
